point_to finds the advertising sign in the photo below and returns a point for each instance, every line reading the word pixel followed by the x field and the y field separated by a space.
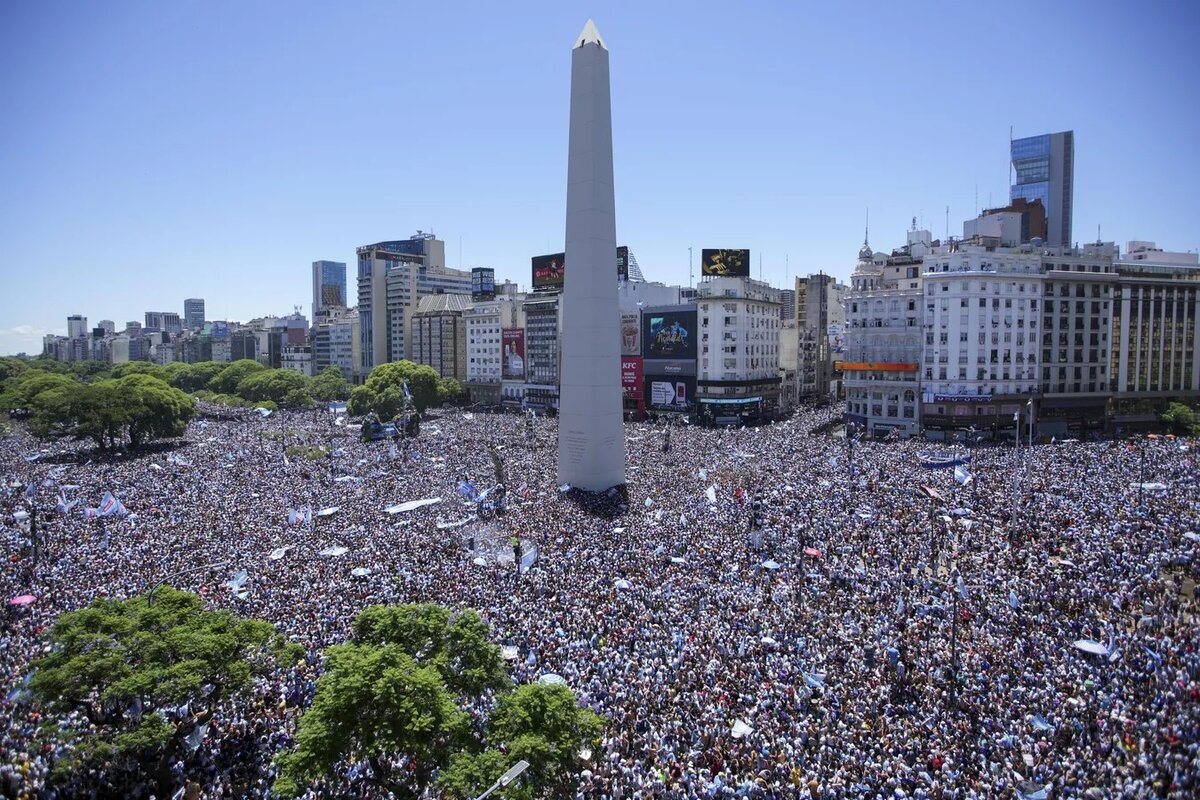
pixel 631 334
pixel 622 263
pixel 631 377
pixel 483 284
pixel 669 334
pixel 665 393
pixel 548 271
pixel 878 366
pixel 725 263
pixel 220 330
pixel 513 365
pixel 670 368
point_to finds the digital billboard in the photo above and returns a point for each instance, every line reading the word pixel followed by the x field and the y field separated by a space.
pixel 631 334
pixel 666 393
pixel 548 271
pixel 725 263
pixel 513 366
pixel 622 263
pixel 669 334
pixel 220 330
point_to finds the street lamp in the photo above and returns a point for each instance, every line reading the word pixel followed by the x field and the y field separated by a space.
pixel 508 777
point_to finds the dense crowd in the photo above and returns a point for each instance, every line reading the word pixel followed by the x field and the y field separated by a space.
pixel 811 656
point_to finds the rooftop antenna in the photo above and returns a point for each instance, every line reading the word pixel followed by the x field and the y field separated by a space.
pixel 1010 164
pixel 947 223
pixel 977 198
pixel 690 267
pixel 760 265
pixel 867 229
pixel 787 269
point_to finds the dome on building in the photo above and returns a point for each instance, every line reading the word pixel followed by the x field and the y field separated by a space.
pixel 864 252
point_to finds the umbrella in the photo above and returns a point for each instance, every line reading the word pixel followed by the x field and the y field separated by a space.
pixel 552 679
pixel 812 551
pixel 771 564
pixel 623 584
pixel 1091 646
pixel 768 640
pixel 508 652
pixel 360 572
pixel 22 600
pixel 480 562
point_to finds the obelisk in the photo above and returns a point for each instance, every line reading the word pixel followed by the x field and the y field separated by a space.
pixel 591 441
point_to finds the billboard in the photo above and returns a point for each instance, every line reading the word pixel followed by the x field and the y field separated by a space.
pixel 622 263
pixel 631 377
pixel 483 283
pixel 668 393
pixel 725 263
pixel 548 271
pixel 669 334
pixel 631 334
pixel 220 330
pixel 513 365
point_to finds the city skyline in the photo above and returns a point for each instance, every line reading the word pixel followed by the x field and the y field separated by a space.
pixel 180 168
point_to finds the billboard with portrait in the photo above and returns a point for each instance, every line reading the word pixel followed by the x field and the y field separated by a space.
pixel 513 365
pixel 725 263
pixel 548 271
pixel 670 393
pixel 631 334
pixel 669 334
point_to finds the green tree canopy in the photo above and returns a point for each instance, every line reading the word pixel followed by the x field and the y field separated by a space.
pixel 226 381
pixel 450 391
pixel 396 696
pixel 383 391
pixel 1181 419
pixel 330 384
pixel 150 408
pixel 191 377
pixel 271 384
pixel 136 368
pixel 128 666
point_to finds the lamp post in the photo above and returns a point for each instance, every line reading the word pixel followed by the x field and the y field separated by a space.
pixel 508 777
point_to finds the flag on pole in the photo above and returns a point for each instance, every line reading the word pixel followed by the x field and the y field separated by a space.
pixel 407 393
pixel 962 476
pixel 64 505
pixel 110 505
pixel 467 490
pixel 31 490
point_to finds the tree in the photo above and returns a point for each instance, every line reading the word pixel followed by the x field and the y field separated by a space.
pixel 449 390
pixel 389 697
pixel 191 377
pixel 1181 419
pixel 330 384
pixel 226 381
pixel 150 408
pixel 136 368
pixel 271 384
pixel 383 389
pixel 128 667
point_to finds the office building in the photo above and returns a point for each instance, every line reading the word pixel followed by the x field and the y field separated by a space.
pixel 486 323
pixel 193 313
pixel 76 326
pixel 1045 170
pixel 738 366
pixel 165 321
pixel 787 305
pixel 108 326
pixel 439 334
pixel 818 301
pixel 392 278
pixel 329 285
pixel 539 389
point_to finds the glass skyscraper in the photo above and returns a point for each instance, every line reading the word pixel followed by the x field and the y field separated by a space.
pixel 329 285
pixel 1045 170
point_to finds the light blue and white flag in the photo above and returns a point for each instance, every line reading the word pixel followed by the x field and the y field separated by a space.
pixel 110 505
pixel 962 476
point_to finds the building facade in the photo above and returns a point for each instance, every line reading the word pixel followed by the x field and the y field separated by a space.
pixel 539 389
pixel 439 334
pixel 1044 167
pixel 486 322
pixel 193 313
pixel 738 365
pixel 329 285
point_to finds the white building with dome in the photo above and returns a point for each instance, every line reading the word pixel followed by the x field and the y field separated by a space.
pixel 881 364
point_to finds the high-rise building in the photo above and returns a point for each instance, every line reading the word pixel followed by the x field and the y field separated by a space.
pixel 329 285
pixel 108 325
pixel 165 321
pixel 76 326
pixel 392 278
pixel 439 334
pixel 818 301
pixel 1045 171
pixel 486 322
pixel 193 313
pixel 738 367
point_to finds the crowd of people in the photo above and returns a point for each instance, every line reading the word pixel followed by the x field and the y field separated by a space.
pixel 770 612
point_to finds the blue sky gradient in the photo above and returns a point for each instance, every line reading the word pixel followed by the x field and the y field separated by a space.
pixel 155 151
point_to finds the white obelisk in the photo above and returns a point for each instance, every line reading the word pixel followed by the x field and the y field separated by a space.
pixel 591 440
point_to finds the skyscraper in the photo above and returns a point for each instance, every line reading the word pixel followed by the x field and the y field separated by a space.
pixel 76 326
pixel 1045 170
pixel 329 285
pixel 193 313
pixel 591 441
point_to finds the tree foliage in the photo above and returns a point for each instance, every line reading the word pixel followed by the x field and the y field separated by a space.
pixel 191 377
pixel 272 384
pixel 1182 420
pixel 135 409
pixel 330 384
pixel 450 391
pixel 394 699
pixel 144 676
pixel 383 391
pixel 226 381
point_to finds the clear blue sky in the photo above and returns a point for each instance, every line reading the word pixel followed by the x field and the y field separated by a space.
pixel 153 151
